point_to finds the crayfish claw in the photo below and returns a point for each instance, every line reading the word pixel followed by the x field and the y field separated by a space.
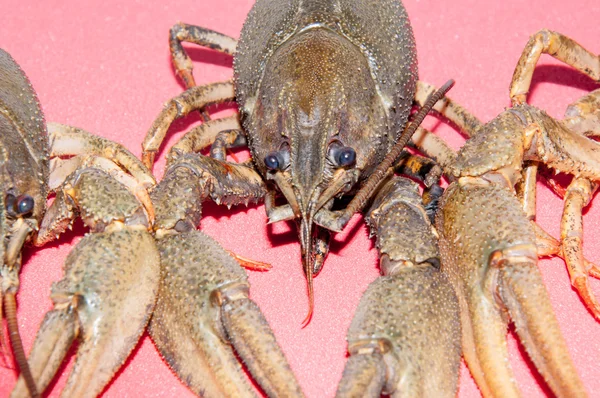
pixel 255 343
pixel 203 313
pixel 364 376
pixel 525 296
pixel 408 346
pixel 106 299
pixel 405 335
pixel 495 276
pixel 54 338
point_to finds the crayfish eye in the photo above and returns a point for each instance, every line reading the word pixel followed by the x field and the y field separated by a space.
pixel 20 205
pixel 24 204
pixel 272 161
pixel 346 156
pixel 343 155
pixel 275 161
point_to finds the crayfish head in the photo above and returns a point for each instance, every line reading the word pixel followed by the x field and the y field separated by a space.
pixel 316 126
pixel 24 161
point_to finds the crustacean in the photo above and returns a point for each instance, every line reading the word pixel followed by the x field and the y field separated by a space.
pixel 312 135
pixel 126 84
pixel 111 276
pixel 489 243
pixel 95 299
pixel 23 176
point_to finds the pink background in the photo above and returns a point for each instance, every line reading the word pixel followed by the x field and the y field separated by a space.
pixel 104 66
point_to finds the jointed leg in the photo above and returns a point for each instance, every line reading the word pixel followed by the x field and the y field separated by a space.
pixel 231 138
pixel 430 144
pixel 558 46
pixel 89 150
pixel 61 170
pixel 434 147
pixel 421 168
pixel 583 115
pixel 571 230
pixel 570 248
pixel 202 136
pixel 277 213
pixel 203 37
pixel 249 264
pixel 463 119
pixel 71 141
pixel 429 173
pixel 193 99
pixel 526 189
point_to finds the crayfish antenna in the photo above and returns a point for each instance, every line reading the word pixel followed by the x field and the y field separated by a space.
pixel 5 351
pixel 17 344
pixel 306 242
pixel 311 296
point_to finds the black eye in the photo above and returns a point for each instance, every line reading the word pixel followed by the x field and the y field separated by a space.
pixel 345 156
pixel 271 161
pixel 19 205
pixel 275 160
pixel 24 204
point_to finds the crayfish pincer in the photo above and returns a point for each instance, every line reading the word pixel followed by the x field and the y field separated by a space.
pixel 489 243
pixel 203 316
pixel 405 338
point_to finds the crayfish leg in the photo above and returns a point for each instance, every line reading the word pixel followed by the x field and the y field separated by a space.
pixel 463 119
pixel 182 32
pixel 558 46
pixel 195 98
pixel 583 115
pixel 72 141
pixel 577 197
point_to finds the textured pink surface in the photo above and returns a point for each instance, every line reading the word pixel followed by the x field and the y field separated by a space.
pixel 104 66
